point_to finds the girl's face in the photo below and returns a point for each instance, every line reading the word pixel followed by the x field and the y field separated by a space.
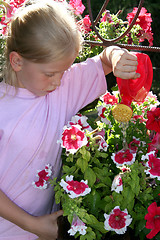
pixel 42 78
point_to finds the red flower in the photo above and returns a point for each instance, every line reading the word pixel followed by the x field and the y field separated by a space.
pixel 123 157
pixel 102 113
pixel 109 99
pixel 76 187
pixel 117 220
pixel 44 176
pixel 154 166
pixel 153 220
pixel 153 122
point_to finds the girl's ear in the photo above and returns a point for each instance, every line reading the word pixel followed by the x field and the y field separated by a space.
pixel 16 61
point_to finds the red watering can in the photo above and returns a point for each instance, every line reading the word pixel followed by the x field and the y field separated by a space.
pixel 134 89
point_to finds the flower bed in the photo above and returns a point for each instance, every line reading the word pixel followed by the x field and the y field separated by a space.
pixel 111 172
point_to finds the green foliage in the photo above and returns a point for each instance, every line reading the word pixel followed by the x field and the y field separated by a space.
pixel 97 167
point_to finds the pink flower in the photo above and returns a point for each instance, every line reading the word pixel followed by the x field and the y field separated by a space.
pixel 103 145
pixel 153 220
pixel 84 24
pixel 155 144
pixel 106 16
pixel 117 220
pixel 123 157
pixel 144 20
pixel 109 99
pixel 75 188
pixel 117 184
pixel 101 110
pixel 77 6
pixel 153 122
pixel 153 165
pixel 80 120
pixel 77 226
pixel 17 3
pixel 133 145
pixel 43 175
pixel 73 138
pixel 140 117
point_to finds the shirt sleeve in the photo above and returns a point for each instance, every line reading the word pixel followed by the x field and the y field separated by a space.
pixel 83 83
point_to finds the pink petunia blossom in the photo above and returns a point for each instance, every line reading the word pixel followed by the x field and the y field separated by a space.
pixel 75 188
pixel 153 220
pixel 153 122
pixel 43 176
pixel 153 164
pixel 140 117
pixel 102 145
pixel 106 17
pixel 117 220
pixel 84 25
pixel 117 184
pixel 155 144
pixel 123 157
pixel 134 144
pixel 80 120
pixel 77 226
pixel 101 110
pixel 77 6
pixel 144 20
pixel 108 98
pixel 73 138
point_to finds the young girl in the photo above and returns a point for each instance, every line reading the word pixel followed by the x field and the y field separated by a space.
pixel 40 93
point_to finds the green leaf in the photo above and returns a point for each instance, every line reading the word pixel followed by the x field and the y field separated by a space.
pixel 128 196
pixel 85 153
pixel 93 202
pixel 90 176
pixel 94 223
pixel 90 235
pixel 82 164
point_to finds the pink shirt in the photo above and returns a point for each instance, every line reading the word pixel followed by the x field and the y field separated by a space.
pixel 30 127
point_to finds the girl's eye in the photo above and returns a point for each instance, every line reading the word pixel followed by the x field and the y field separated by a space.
pixel 49 75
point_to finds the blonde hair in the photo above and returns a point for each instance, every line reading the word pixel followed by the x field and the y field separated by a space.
pixel 42 32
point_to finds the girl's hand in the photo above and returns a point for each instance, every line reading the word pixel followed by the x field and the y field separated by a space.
pixel 45 227
pixel 124 64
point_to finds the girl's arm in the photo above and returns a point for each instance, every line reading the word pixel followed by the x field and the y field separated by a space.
pixel 44 227
pixel 120 61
